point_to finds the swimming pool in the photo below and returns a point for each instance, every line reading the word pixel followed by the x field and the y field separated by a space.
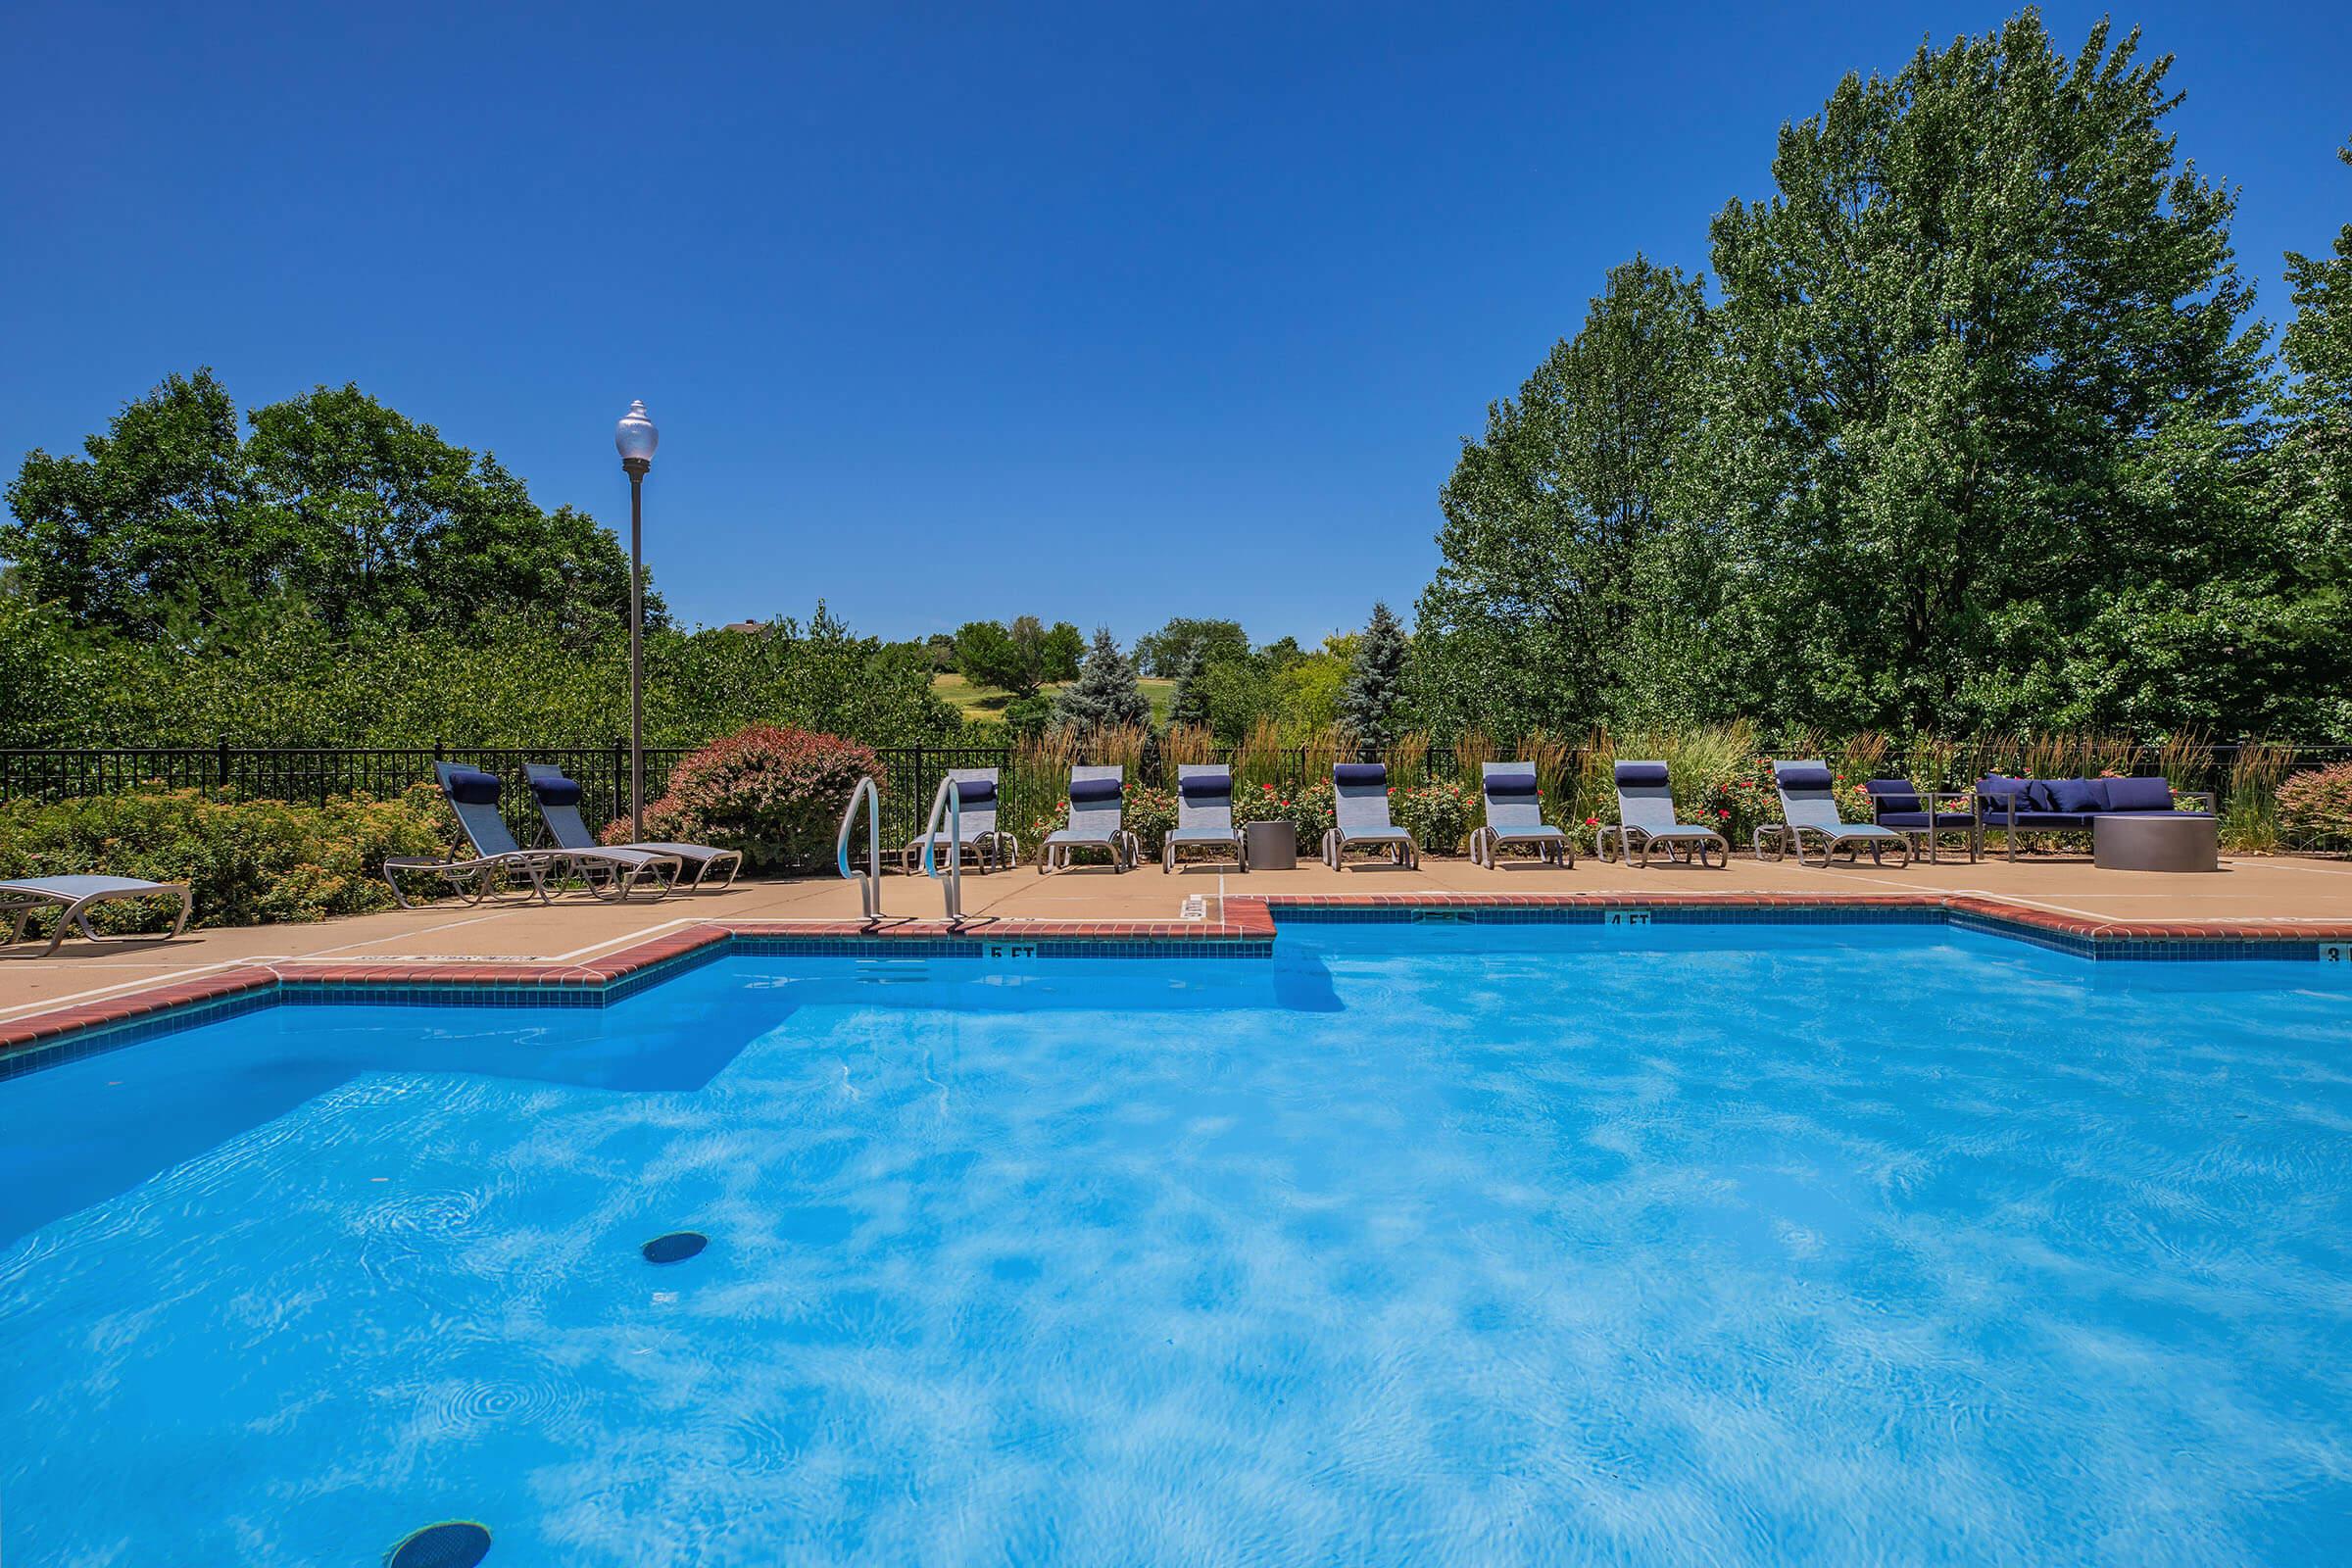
pixel 1414 1244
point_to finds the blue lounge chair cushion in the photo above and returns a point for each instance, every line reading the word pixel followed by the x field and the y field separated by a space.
pixel 2076 794
pixel 1510 786
pixel 2137 794
pixel 556 791
pixel 976 792
pixel 471 786
pixel 1647 775
pixel 1801 776
pixel 1359 773
pixel 1094 789
pixel 1199 787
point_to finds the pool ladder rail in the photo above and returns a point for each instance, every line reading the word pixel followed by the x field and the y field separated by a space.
pixel 870 889
pixel 947 802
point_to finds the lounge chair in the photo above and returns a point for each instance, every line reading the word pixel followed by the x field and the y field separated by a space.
pixel 1808 807
pixel 1645 818
pixel 1204 816
pixel 1515 815
pixel 559 800
pixel 473 796
pixel 1360 812
pixel 72 898
pixel 976 808
pixel 1095 821
pixel 1919 815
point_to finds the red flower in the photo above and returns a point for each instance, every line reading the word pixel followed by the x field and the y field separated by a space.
pixel 1591 821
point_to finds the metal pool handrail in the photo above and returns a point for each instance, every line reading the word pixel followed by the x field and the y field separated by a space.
pixel 950 800
pixel 869 891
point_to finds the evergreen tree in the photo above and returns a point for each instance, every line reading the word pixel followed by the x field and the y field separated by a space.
pixel 1368 704
pixel 1190 704
pixel 1105 694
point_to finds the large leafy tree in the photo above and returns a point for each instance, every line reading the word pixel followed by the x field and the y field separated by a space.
pixel 336 500
pixel 2315 449
pixel 1021 657
pixel 1165 651
pixel 1566 587
pixel 153 514
pixel 1989 387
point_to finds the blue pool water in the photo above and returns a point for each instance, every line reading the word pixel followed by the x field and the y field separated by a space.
pixel 1415 1245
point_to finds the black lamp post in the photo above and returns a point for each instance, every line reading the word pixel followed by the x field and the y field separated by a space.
pixel 636 438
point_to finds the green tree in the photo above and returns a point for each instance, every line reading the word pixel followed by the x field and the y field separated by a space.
pixel 1566 576
pixel 1987 401
pixel 334 499
pixel 155 513
pixel 1165 651
pixel 1376 682
pixel 2315 408
pixel 1188 705
pixel 1021 657
pixel 1105 694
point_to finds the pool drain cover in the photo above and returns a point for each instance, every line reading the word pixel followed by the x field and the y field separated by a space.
pixel 460 1544
pixel 676 1248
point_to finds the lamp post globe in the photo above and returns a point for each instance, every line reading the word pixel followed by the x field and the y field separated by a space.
pixel 635 438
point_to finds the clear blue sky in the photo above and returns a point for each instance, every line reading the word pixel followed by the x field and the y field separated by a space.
pixel 1104 313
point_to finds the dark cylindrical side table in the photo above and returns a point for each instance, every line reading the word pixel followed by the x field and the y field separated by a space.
pixel 2163 841
pixel 1273 846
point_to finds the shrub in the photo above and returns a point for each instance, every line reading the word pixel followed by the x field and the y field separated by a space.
pixel 2315 809
pixel 248 862
pixel 774 794
pixel 1437 813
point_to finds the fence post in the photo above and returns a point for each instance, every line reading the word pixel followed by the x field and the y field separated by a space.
pixel 440 751
pixel 220 768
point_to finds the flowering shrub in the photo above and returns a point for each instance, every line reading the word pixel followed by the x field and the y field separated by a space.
pixel 1437 813
pixel 1145 812
pixel 774 794
pixel 247 862
pixel 2315 809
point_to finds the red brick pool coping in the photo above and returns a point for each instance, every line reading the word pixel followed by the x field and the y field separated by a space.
pixel 1247 919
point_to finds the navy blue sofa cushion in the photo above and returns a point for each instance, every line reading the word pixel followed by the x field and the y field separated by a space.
pixel 1892 795
pixel 1510 786
pixel 471 786
pixel 1094 789
pixel 556 791
pixel 1359 773
pixel 976 792
pixel 1802 775
pixel 1641 776
pixel 2076 794
pixel 2136 795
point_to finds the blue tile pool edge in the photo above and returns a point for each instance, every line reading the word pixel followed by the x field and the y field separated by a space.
pixel 295 990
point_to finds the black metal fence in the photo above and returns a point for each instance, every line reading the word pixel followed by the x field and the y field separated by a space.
pixel 1030 786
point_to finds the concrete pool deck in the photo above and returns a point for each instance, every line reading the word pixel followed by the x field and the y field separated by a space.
pixel 575 938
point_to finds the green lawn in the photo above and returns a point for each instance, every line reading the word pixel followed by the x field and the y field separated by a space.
pixel 987 703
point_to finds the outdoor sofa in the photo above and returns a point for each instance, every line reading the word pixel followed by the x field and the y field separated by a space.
pixel 2020 805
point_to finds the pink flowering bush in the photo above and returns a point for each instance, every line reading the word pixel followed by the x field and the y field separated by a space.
pixel 2315 809
pixel 774 794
